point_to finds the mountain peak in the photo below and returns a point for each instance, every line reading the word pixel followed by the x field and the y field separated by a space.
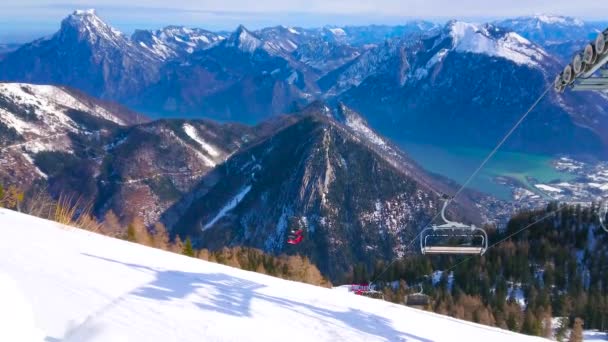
pixel 89 26
pixel 86 12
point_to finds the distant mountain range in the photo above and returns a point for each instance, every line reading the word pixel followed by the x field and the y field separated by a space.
pixel 459 82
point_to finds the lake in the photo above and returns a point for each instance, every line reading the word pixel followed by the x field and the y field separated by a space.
pixel 457 163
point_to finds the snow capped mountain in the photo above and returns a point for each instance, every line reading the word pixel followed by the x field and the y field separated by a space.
pixel 175 41
pixel 87 25
pixel 72 285
pixel 493 41
pixel 422 89
pixel 85 54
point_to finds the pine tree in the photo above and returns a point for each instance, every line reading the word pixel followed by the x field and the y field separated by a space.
pixel 560 334
pixel 188 250
pixel 1 194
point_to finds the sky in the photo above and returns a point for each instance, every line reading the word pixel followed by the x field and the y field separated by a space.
pixel 27 19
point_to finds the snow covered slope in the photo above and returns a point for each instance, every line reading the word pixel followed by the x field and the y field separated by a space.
pixel 86 287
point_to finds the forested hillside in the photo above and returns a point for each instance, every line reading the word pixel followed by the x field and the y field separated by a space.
pixel 557 267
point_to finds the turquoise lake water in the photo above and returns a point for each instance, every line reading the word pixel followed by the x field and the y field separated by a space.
pixel 458 163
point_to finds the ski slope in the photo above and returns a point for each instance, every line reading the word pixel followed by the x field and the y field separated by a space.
pixel 79 286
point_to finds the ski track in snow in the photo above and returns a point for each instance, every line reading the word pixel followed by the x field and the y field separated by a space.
pixel 82 286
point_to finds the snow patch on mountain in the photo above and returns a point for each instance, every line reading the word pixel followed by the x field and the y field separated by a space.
pixel 357 124
pixel 192 133
pixel 479 39
pixel 338 32
pixel 206 160
pixel 228 207
pixel 421 73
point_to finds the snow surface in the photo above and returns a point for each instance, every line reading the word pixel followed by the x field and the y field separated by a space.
pixel 17 313
pixel 86 287
pixel 547 188
pixel 517 293
pixel 594 335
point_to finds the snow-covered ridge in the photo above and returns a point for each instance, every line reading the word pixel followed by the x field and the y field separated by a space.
pixel 86 287
pixel 172 41
pixel 556 19
pixel 39 115
pixel 480 39
pixel 50 102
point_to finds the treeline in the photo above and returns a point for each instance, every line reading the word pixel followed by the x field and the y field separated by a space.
pixel 558 265
pixel 76 212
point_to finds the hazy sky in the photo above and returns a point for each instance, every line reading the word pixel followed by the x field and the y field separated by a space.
pixel 24 19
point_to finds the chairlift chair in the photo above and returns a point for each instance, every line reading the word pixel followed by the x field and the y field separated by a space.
pixel 477 238
pixel 367 290
pixel 418 298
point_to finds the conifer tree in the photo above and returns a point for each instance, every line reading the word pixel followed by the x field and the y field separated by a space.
pixel 188 250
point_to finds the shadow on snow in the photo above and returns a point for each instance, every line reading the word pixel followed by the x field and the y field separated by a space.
pixel 233 296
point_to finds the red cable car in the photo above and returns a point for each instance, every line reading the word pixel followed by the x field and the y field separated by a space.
pixel 296 237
